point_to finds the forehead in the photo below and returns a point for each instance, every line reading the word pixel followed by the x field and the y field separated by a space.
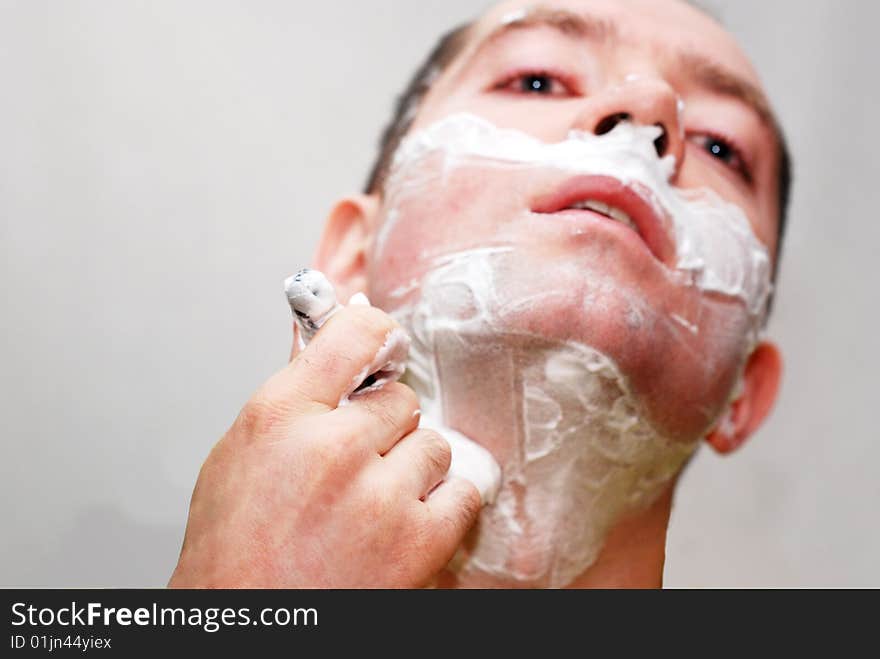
pixel 653 26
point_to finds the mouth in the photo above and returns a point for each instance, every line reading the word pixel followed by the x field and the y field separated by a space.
pixel 608 199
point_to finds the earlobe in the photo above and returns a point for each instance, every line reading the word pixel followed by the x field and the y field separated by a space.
pixel 760 386
pixel 345 240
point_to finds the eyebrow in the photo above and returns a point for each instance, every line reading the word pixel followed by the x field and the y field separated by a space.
pixel 705 72
pixel 714 77
pixel 567 22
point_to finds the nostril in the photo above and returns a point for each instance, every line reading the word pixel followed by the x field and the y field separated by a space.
pixel 607 124
pixel 661 144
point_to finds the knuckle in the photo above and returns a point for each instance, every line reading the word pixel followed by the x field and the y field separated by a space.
pixel 378 502
pixel 285 393
pixel 471 501
pixel 456 519
pixel 408 398
pixel 338 453
pixel 392 405
pixel 423 542
pixel 437 451
pixel 260 417
pixel 349 447
pixel 382 414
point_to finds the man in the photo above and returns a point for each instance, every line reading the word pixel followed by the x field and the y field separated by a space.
pixel 575 216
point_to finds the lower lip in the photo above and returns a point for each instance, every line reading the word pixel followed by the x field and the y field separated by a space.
pixel 607 190
pixel 582 220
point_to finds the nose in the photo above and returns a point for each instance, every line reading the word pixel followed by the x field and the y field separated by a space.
pixel 645 101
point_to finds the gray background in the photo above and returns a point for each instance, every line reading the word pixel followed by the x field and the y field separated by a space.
pixel 164 165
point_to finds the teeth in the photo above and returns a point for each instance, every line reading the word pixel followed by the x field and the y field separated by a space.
pixel 597 206
pixel 605 209
pixel 620 216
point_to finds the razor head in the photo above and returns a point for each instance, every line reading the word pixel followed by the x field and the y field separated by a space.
pixel 311 297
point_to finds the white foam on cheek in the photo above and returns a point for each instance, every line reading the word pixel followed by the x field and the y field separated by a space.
pixel 715 243
pixel 716 249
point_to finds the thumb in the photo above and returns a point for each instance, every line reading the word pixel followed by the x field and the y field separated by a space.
pixel 358 299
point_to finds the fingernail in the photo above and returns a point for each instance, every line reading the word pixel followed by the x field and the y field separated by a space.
pixel 359 299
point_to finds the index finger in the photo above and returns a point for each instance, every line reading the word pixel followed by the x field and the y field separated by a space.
pixel 335 360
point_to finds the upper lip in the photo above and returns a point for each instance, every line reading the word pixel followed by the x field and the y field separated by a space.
pixel 637 203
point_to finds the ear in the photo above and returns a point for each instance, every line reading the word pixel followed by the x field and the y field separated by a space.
pixel 345 241
pixel 745 414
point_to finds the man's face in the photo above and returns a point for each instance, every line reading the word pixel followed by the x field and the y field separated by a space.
pixel 547 69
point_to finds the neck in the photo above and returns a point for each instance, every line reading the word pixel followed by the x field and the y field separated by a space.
pixel 632 556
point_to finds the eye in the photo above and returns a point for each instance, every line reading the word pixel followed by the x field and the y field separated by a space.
pixel 726 151
pixel 540 83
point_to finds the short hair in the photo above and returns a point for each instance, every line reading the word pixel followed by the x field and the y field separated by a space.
pixel 407 106
pixel 444 52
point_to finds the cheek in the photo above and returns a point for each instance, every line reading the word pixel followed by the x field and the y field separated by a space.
pixel 685 375
pixel 440 212
pixel 680 349
pixel 413 233
pixel 698 170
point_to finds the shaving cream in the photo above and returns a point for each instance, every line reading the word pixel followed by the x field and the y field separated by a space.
pixel 715 245
pixel 579 455
pixel 510 339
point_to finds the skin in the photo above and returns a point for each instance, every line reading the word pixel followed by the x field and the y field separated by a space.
pixel 295 476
